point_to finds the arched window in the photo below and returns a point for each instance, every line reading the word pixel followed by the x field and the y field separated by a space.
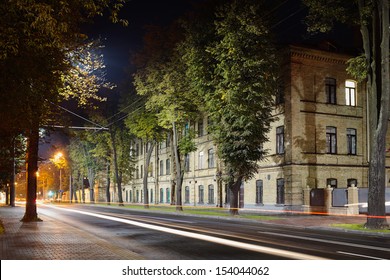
pixel 201 194
pixel 187 195
pixel 211 194
pixel 168 194
pixel 161 195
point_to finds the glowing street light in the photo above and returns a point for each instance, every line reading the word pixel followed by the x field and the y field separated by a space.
pixel 58 160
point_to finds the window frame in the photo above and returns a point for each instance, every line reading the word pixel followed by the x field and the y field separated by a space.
pixel 331 90
pixel 280 191
pixel 211 158
pixel 201 194
pixel 350 93
pixel 280 140
pixel 332 182
pixel 351 141
pixel 259 200
pixel 211 194
pixel 331 140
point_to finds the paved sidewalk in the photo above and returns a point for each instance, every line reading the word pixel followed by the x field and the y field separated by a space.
pixel 52 240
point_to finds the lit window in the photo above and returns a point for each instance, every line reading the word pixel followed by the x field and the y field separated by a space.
pixel 350 93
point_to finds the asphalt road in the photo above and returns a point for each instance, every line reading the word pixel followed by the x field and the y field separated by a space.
pixel 161 236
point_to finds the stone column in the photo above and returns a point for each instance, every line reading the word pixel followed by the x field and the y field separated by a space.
pixel 353 200
pixel 328 198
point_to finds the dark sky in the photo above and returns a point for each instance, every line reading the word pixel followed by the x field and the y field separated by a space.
pixel 119 41
pixel 286 18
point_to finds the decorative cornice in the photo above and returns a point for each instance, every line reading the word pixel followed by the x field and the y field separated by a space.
pixel 317 55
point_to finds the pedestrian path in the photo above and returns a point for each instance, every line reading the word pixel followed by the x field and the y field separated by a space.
pixel 52 240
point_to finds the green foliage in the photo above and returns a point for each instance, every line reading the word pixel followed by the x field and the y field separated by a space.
pixel 235 68
pixel 186 143
pixel 323 14
pixel 358 68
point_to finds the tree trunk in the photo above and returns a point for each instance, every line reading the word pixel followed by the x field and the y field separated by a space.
pixel 234 198
pixel 146 172
pixel 12 181
pixel 178 169
pixel 116 167
pixel 376 217
pixel 31 214
pixel 91 180
pixel 108 196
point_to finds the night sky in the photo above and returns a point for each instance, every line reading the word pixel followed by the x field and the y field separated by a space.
pixel 286 18
pixel 120 41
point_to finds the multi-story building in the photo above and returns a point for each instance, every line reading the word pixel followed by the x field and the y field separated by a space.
pixel 319 139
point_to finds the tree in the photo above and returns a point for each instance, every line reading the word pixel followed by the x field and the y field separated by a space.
pixel 234 66
pixel 12 149
pixel 373 19
pixel 120 141
pixel 144 125
pixel 36 38
pixel 161 77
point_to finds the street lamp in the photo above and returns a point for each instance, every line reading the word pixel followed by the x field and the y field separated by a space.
pixel 58 158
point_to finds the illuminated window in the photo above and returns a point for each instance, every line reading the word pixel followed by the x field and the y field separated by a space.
pixel 350 93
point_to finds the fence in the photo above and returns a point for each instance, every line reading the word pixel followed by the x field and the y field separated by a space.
pixel 350 200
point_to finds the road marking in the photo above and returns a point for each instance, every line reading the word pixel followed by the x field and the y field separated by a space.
pixel 358 255
pixel 218 240
pixel 327 241
pixel 166 219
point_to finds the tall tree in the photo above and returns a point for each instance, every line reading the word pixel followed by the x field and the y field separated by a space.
pixel 161 77
pixel 234 66
pixel 36 37
pixel 144 125
pixel 373 19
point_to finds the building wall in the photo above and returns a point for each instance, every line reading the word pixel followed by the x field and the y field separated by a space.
pixel 305 162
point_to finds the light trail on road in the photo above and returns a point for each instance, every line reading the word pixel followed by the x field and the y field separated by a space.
pixel 217 240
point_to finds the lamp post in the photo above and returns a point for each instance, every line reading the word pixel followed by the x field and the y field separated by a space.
pixel 58 157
